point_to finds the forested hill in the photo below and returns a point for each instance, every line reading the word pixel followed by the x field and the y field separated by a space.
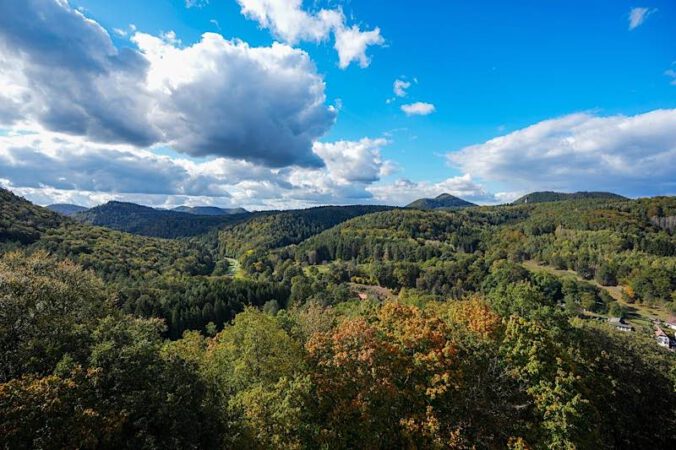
pixel 66 209
pixel 23 222
pixel 146 221
pixel 549 196
pixel 209 210
pixel 440 202
pixel 113 255
pixel 280 228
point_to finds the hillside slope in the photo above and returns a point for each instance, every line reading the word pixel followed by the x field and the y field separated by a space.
pixel 279 228
pixel 209 210
pixel 550 196
pixel 114 255
pixel 23 222
pixel 146 221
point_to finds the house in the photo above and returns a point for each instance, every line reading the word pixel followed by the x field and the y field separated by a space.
pixel 662 339
pixel 363 296
pixel 619 324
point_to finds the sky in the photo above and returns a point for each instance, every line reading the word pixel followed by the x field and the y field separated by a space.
pixel 271 104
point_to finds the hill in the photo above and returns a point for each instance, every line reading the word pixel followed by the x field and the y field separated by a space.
pixel 442 201
pixel 279 228
pixel 114 255
pixel 209 210
pixel 146 221
pixel 23 222
pixel 66 209
pixel 549 196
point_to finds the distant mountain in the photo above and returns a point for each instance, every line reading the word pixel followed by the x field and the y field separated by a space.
pixel 549 196
pixel 441 201
pixel 209 210
pixel 146 221
pixel 66 209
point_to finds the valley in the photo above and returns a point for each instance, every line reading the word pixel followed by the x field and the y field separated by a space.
pixel 315 309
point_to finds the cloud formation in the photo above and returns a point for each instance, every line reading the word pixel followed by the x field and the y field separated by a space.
pixel 61 69
pixel 670 72
pixel 635 155
pixel 637 16
pixel 399 87
pixel 216 97
pixel 287 21
pixel 418 109
pixel 51 167
pixel 225 98
pixel 196 3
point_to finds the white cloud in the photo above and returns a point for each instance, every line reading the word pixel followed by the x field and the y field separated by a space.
pixel 671 73
pixel 399 87
pixel 225 98
pixel 418 109
pixel 287 21
pixel 637 16
pixel 216 97
pixel 354 161
pixel 50 167
pixel 634 155
pixel 196 3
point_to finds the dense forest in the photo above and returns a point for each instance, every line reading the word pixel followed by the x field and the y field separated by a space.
pixel 342 327
pixel 147 221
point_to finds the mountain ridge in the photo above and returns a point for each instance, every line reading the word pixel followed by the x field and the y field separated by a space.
pixel 209 210
pixel 66 209
pixel 552 196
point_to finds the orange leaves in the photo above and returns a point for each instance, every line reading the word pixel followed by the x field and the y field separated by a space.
pixel 390 366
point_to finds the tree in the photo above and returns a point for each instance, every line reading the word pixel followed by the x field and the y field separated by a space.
pixel 47 310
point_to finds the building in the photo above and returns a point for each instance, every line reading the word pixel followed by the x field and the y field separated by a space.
pixel 619 324
pixel 662 339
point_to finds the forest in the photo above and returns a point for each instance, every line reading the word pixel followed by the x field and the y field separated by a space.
pixel 364 327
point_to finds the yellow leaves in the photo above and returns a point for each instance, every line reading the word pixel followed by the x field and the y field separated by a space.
pixel 477 316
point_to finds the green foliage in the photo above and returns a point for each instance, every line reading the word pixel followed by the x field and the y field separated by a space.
pixel 277 229
pixel 21 221
pixel 145 221
pixel 548 196
pixel 47 310
pixel 456 344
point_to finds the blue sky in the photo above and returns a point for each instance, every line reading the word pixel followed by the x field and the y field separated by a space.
pixel 576 71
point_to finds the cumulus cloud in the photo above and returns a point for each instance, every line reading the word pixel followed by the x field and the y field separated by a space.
pixel 287 21
pixel 399 87
pixel 226 98
pixel 63 71
pixel 404 191
pixel 50 167
pixel 354 161
pixel 216 97
pixel 418 109
pixel 625 154
pixel 637 16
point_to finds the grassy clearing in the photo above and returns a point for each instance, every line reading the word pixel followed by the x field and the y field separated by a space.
pixel 639 315
pixel 235 269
